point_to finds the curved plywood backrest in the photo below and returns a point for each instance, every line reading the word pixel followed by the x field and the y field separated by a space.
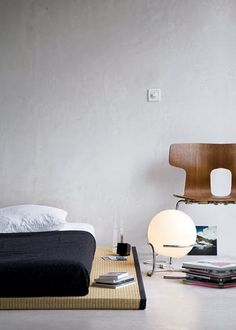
pixel 198 160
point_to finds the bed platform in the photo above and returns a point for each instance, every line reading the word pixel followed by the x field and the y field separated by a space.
pixel 129 297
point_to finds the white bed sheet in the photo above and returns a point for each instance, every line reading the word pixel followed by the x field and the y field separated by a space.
pixel 78 226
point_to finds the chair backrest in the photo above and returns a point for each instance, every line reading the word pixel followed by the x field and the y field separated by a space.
pixel 198 160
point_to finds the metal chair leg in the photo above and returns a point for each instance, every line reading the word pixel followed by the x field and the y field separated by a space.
pixel 180 201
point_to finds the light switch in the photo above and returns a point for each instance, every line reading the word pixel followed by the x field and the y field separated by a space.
pixel 153 95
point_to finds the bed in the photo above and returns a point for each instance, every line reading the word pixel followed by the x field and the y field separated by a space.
pixel 47 263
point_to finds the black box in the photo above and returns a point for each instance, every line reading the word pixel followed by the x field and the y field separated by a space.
pixel 123 249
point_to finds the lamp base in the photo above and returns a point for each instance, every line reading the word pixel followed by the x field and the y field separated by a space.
pixel 160 266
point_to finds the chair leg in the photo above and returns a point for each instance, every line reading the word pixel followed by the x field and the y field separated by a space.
pixel 150 273
pixel 180 201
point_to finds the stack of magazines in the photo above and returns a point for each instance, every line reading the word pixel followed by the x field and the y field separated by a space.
pixel 210 273
pixel 114 280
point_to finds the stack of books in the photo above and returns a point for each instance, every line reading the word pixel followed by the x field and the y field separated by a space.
pixel 114 280
pixel 210 273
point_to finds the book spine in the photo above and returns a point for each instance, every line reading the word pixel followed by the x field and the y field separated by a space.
pixel 130 279
pixel 112 286
pixel 209 278
pixel 113 278
pixel 201 283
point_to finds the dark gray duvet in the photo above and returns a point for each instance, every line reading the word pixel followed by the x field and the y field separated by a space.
pixel 55 263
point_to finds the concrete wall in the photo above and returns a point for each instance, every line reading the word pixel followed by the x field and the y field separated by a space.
pixel 76 130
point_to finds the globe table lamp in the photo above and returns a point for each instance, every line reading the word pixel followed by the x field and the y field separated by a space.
pixel 171 233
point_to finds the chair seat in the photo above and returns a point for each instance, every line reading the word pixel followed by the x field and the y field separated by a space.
pixel 198 160
pixel 208 198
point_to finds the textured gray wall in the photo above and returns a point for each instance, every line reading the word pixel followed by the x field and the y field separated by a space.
pixel 76 130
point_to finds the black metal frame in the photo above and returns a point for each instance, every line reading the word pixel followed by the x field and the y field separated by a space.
pixel 154 255
pixel 189 201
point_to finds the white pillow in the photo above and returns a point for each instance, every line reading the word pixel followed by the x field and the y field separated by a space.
pixel 26 218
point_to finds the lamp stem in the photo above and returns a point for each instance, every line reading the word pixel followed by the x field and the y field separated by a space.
pixel 150 273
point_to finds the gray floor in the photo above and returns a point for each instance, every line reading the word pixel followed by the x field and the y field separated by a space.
pixel 171 306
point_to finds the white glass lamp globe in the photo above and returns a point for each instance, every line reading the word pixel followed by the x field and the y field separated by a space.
pixel 172 233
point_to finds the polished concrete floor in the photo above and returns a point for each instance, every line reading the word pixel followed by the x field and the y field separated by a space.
pixel 171 305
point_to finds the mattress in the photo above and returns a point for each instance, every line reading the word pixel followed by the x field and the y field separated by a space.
pixel 53 263
pixel 78 226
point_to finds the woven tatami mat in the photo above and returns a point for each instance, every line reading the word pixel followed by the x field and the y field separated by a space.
pixel 128 297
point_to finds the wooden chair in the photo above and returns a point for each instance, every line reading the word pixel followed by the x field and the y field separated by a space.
pixel 198 160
